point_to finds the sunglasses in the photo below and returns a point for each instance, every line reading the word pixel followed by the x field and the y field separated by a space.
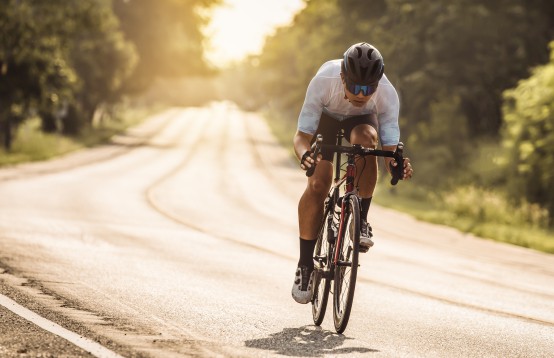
pixel 356 89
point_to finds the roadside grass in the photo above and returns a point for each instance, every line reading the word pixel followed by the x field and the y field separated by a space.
pixel 31 144
pixel 482 212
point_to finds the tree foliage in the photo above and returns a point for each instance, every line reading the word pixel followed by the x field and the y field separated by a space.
pixel 34 66
pixel 469 50
pixel 101 57
pixel 529 135
pixel 65 60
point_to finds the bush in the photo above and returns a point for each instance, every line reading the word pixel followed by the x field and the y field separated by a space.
pixel 529 136
pixel 484 205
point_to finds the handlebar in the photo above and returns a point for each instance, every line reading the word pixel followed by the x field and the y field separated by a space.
pixel 397 172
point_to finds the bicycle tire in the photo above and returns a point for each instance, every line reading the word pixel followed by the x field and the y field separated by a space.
pixel 345 276
pixel 322 285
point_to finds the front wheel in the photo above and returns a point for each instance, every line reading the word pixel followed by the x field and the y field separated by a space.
pixel 347 265
pixel 322 279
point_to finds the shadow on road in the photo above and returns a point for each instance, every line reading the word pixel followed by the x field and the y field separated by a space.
pixel 306 341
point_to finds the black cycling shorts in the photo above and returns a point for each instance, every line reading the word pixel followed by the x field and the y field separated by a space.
pixel 329 127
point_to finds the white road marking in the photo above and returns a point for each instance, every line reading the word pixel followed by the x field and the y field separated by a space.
pixel 88 345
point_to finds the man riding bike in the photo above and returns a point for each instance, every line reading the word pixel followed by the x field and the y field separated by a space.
pixel 354 95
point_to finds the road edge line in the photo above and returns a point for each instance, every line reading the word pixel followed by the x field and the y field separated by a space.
pixel 88 345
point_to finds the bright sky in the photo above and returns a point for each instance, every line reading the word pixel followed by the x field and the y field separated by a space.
pixel 238 27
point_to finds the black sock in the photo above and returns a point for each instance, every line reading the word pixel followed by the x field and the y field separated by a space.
pixel 366 202
pixel 307 253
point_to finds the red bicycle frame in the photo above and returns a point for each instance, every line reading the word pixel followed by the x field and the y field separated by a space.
pixel 349 177
pixel 349 186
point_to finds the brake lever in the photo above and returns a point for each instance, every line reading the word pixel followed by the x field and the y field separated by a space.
pixel 315 149
pixel 398 171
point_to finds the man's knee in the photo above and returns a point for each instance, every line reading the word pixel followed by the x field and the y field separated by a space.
pixel 365 135
pixel 319 186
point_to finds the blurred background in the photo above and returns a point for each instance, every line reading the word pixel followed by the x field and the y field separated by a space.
pixel 475 80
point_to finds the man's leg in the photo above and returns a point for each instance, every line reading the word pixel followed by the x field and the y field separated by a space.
pixel 366 178
pixel 310 207
pixel 310 213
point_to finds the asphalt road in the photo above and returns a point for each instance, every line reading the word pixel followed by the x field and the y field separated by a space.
pixel 181 240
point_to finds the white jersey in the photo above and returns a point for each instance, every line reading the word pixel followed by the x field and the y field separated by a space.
pixel 326 94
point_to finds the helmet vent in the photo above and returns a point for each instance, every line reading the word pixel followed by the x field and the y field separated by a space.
pixel 369 53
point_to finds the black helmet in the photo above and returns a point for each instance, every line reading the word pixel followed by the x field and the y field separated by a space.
pixel 363 64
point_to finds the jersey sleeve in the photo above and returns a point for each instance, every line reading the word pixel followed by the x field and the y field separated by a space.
pixel 309 117
pixel 389 131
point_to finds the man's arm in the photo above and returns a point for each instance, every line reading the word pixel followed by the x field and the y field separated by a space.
pixel 301 142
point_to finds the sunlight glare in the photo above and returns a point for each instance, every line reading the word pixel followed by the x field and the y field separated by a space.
pixel 238 27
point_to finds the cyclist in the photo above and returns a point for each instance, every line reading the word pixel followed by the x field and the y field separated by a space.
pixel 354 95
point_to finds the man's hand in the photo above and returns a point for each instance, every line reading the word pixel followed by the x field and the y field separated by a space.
pixel 308 160
pixel 408 170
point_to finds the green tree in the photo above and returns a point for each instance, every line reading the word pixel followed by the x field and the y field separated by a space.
pixel 60 54
pixel 73 55
pixel 476 50
pixel 529 135
pixel 101 57
pixel 33 66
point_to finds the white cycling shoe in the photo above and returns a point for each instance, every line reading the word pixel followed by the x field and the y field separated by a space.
pixel 302 286
pixel 366 234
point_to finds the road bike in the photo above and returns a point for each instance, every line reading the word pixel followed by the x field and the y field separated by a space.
pixel 337 247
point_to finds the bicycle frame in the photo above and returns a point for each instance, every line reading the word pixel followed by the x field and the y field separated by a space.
pixel 350 175
pixel 333 259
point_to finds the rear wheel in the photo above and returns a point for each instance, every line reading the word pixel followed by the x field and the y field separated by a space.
pixel 322 279
pixel 347 265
